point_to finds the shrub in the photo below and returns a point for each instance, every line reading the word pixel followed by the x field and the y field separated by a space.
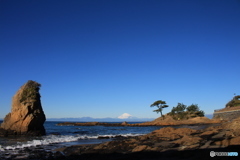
pixel 181 111
pixel 234 102
pixel 30 91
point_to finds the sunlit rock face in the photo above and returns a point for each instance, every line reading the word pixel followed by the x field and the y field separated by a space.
pixel 26 116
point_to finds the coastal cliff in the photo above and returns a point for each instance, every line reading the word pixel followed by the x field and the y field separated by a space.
pixel 26 116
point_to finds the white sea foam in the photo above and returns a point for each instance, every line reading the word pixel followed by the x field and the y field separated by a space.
pixel 1 149
pixel 45 141
pixel 52 139
pixel 123 135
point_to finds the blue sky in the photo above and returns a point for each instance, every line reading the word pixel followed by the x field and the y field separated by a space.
pixel 103 58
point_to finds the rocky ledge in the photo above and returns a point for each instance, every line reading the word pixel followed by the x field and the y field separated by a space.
pixel 166 143
pixel 168 121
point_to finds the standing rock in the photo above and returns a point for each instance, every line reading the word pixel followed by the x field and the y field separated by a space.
pixel 27 116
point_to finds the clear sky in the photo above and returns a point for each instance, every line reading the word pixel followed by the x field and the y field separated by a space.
pixel 103 58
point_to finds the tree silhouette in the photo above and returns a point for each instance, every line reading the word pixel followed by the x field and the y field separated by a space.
pixel 160 104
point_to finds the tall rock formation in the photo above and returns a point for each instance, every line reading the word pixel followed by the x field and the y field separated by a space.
pixel 27 116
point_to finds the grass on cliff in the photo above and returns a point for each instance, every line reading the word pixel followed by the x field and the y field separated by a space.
pixel 30 91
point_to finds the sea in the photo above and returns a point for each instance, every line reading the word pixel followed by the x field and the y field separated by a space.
pixel 64 136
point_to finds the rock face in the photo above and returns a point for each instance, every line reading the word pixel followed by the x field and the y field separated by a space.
pixel 27 116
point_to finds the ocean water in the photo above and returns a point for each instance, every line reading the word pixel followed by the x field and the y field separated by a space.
pixel 62 136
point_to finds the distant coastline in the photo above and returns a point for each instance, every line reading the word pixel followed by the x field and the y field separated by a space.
pixel 89 119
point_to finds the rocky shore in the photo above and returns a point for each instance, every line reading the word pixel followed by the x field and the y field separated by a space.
pixel 167 143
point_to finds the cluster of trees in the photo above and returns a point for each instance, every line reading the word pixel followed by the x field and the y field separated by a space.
pixel 181 111
pixel 234 102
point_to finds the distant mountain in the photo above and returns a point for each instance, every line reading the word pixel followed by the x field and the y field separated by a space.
pixel 210 116
pixel 90 119
pixel 125 116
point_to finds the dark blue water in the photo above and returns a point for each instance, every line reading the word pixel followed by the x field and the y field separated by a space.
pixel 61 136
pixel 52 128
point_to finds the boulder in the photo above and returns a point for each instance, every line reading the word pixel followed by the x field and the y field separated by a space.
pixel 26 116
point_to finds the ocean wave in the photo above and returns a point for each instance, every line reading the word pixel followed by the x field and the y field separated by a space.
pixel 53 139
pixel 122 135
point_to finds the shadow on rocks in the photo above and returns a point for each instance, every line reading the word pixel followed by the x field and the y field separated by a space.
pixel 203 154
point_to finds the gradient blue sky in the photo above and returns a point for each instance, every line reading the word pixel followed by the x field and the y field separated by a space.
pixel 103 58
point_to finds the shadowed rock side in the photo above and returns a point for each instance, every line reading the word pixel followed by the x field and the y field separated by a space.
pixel 27 116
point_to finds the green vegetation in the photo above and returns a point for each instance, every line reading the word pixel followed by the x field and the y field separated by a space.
pixel 181 112
pixel 160 104
pixel 30 91
pixel 234 102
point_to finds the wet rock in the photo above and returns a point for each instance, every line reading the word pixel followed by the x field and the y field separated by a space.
pixel 119 137
pixel 6 133
pixel 104 137
pixel 26 150
pixel 21 157
pixel 59 155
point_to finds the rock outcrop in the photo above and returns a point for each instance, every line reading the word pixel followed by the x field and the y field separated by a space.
pixel 168 120
pixel 27 116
